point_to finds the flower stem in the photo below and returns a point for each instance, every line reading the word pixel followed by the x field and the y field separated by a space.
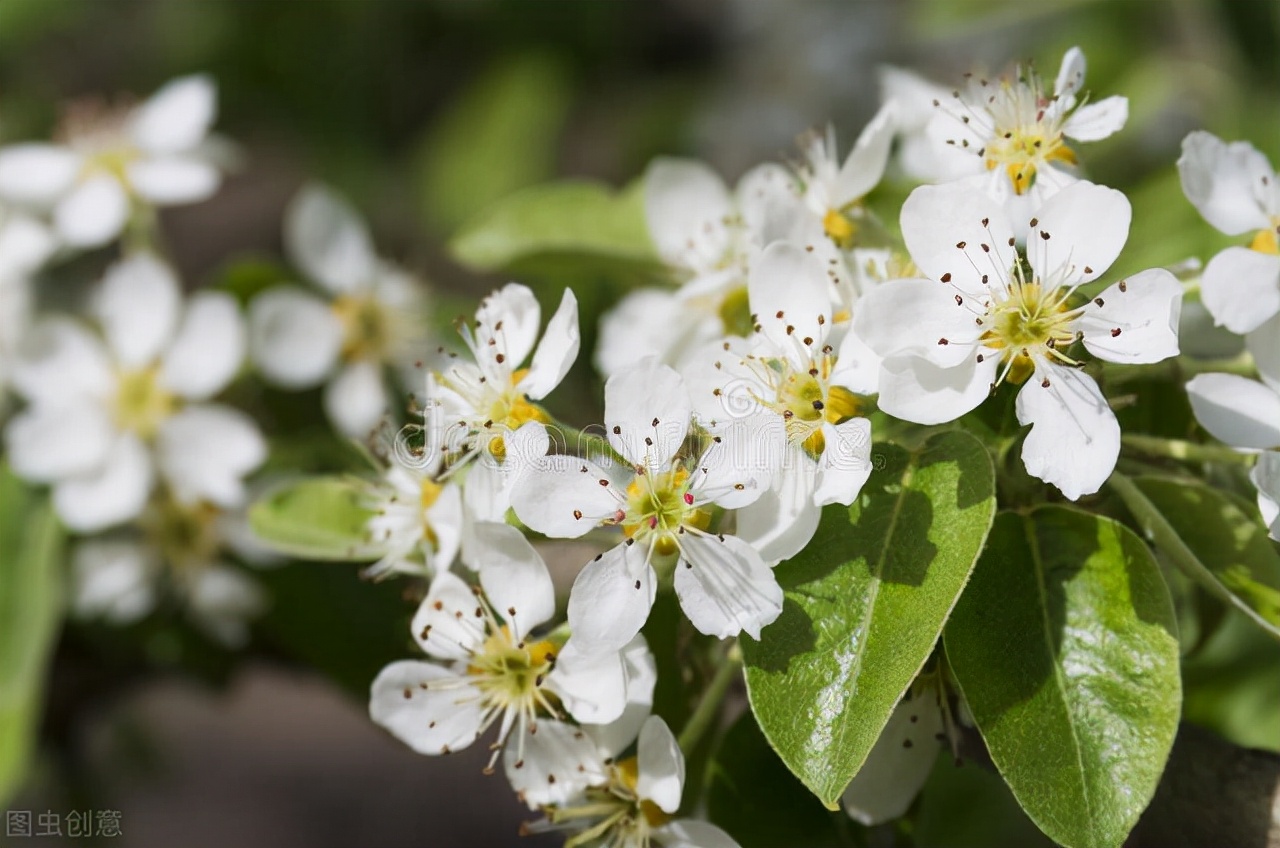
pixel 1184 450
pixel 708 709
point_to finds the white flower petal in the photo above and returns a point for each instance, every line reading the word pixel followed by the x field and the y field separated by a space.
pixel 1240 412
pixel 857 365
pixel 557 763
pixel 866 162
pixel 646 413
pixel 294 337
pixel 591 684
pixel 660 766
pixel 1241 288
pixel 206 450
pixel 691 833
pixel 650 322
pixel 943 229
pixel 49 444
pixel 611 598
pixel 1266 476
pixel 407 698
pixel 173 179
pixel 556 352
pixel 177 117
pixel 899 762
pixel 507 326
pixel 58 361
pixel 1224 181
pixel 914 316
pixel 725 587
pixel 138 305
pixel 1136 320
pixel 514 578
pixel 1264 346
pixel 687 206
pixel 738 466
pixel 37 174
pixel 1075 439
pixel 207 349
pixel 787 287
pixel 25 244
pixel 784 518
pixel 113 579
pixel 115 492
pixel 356 398
pixel 914 389
pixel 563 497
pixel 328 240
pixel 446 518
pixel 438 628
pixel 1070 80
pixel 642 676
pixel 1079 232
pixel 93 213
pixel 846 462
pixel 1096 121
pixel 222 600
pixel 769 202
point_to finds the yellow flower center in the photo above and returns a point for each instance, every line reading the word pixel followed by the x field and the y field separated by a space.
pixel 509 411
pixel 1030 322
pixel 658 505
pixel 141 403
pixel 185 534
pixel 627 773
pixel 840 228
pixel 113 161
pixel 366 326
pixel 806 400
pixel 735 313
pixel 508 674
pixel 1020 151
pixel 1265 240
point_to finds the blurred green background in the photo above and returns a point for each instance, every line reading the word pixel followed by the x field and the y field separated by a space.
pixel 430 116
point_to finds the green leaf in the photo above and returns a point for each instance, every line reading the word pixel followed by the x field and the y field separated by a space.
pixel 966 806
pixel 1214 539
pixel 572 217
pixel 1231 685
pixel 31 542
pixel 499 136
pixel 1065 648
pixel 318 518
pixel 760 804
pixel 864 605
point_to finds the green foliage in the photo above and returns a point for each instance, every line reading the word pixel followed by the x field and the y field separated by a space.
pixel 31 603
pixel 760 804
pixel 1065 648
pixel 1214 539
pixel 1231 685
pixel 498 136
pixel 317 518
pixel 865 602
pixel 968 806
pixel 574 218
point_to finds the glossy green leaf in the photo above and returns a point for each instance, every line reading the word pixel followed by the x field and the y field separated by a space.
pixel 499 136
pixel 31 578
pixel 752 796
pixel 1214 539
pixel 1065 648
pixel 572 217
pixel 318 518
pixel 864 605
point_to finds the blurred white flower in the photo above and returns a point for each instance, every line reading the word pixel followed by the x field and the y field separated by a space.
pixel 174 548
pixel 373 318
pixel 109 163
pixel 986 315
pixel 1236 190
pixel 25 244
pixel 107 413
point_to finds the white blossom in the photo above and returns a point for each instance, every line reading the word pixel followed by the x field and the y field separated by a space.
pixel 987 314
pixel 1236 190
pixel 370 318
pixel 111 163
pixel 108 414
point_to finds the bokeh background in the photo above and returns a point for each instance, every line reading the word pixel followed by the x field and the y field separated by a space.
pixel 426 114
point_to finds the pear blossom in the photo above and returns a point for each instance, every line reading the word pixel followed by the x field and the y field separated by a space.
pixel 662 501
pixel 109 414
pixel 1235 188
pixel 371 317
pixel 1245 414
pixel 988 314
pixel 173 548
pixel 25 245
pixel 707 236
pixel 485 665
pixel 631 802
pixel 111 163
pixel 1013 133
pixel 795 387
